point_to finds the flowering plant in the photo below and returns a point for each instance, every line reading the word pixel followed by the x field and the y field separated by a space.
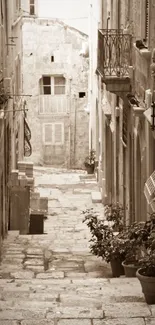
pixel 104 242
pixel 114 213
pixel 90 160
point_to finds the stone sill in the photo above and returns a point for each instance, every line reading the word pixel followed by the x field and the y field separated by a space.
pixel 138 111
pixel 145 53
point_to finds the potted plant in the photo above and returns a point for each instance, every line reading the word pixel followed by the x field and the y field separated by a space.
pixel 90 162
pixel 114 213
pixel 105 243
pixel 136 234
pixel 146 273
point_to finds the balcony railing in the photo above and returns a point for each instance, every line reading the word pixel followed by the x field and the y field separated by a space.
pixel 114 53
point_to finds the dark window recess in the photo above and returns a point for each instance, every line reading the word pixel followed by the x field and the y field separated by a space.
pixel 32 7
pixel 47 85
pixel 125 125
pixel 82 94
pixel 52 58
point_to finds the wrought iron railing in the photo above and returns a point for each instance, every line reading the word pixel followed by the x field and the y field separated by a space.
pixel 114 52
pixel 27 138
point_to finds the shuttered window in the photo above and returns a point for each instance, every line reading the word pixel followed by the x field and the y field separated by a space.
pixel 32 7
pixel 48 138
pixel 146 19
pixel 53 133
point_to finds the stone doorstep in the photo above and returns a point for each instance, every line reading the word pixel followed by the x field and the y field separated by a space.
pixel 87 176
pixel 96 197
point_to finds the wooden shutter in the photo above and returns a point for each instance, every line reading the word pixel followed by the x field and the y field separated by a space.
pixel 48 133
pixel 58 133
pixel 147 20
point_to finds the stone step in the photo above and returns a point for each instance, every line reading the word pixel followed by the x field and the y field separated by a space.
pixel 96 197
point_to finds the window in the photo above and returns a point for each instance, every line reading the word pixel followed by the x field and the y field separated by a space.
pixel 52 85
pixel 52 58
pixel 53 133
pixel 59 85
pixel 82 94
pixel 46 85
pixel 146 19
pixel 32 7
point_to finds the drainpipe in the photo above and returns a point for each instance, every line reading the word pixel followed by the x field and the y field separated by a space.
pixel 70 79
pixel 75 126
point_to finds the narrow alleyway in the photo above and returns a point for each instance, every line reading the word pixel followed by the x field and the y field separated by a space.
pixel 53 279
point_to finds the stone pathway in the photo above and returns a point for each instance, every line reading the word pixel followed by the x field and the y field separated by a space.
pixel 53 278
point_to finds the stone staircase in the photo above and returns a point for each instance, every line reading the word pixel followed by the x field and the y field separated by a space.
pixel 40 287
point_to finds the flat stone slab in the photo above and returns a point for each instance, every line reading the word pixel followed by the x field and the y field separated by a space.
pixel 135 309
pixel 50 275
pixel 74 322
pixel 35 268
pixel 34 251
pixel 81 191
pixel 96 197
pixel 87 176
pixel 22 275
pixel 34 262
pixel 36 322
pixel 120 321
pixel 149 321
pixel 75 312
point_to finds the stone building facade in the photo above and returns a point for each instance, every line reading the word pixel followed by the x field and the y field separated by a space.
pixel 11 104
pixel 123 132
pixel 56 76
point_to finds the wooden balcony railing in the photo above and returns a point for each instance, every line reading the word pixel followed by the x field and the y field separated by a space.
pixel 114 53
pixel 58 104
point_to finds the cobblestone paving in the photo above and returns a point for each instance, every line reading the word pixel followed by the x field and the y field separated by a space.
pixel 53 279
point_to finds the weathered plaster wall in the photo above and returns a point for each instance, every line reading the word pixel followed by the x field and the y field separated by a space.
pixel 42 39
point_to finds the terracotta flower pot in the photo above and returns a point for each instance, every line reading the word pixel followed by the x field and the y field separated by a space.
pixel 148 286
pixel 90 169
pixel 117 268
pixel 129 270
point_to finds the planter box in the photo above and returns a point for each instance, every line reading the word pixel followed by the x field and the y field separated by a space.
pixel 36 223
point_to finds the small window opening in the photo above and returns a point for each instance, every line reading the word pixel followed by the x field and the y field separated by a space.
pixel 46 83
pixel 82 94
pixel 52 58
pixel 32 7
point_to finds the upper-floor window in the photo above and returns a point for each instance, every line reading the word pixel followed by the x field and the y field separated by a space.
pixel 46 83
pixel 32 7
pixel 146 19
pixel 53 85
pixel 59 85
